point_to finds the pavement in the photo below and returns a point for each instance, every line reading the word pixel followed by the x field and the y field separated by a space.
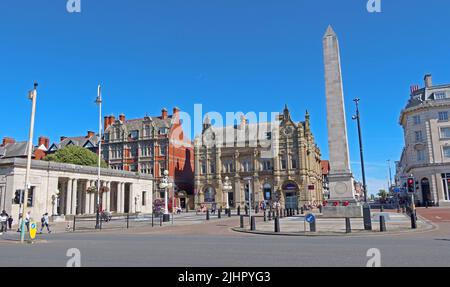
pixel 201 243
pixel 297 225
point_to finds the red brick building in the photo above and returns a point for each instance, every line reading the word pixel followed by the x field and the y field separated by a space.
pixel 151 145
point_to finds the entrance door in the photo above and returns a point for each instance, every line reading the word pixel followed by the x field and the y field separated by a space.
pixel 291 200
pixel 183 203
pixel 231 199
pixel 426 194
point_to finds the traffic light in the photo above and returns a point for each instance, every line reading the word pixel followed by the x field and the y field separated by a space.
pixel 410 185
pixel 18 197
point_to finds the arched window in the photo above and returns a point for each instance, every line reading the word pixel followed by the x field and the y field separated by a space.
pixel 267 191
pixel 210 194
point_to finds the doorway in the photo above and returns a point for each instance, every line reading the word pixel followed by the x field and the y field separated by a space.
pixel 426 194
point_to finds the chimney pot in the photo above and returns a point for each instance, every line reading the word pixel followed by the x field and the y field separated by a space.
pixel 164 113
pixel 7 140
pixel 44 141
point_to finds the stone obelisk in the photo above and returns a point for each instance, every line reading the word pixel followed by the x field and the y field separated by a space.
pixel 340 177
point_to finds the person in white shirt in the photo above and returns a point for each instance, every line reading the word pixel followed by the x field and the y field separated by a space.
pixel 45 223
pixel 4 222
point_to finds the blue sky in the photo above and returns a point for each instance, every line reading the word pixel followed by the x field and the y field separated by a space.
pixel 229 55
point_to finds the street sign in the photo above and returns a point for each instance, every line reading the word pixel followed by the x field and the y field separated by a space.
pixel 397 190
pixel 33 230
pixel 310 218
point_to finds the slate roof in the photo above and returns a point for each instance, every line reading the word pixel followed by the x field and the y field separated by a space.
pixel 18 149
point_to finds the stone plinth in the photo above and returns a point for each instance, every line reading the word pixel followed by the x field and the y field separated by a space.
pixel 351 211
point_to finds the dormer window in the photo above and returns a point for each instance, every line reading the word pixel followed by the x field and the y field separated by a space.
pixel 440 95
pixel 163 131
pixel 134 135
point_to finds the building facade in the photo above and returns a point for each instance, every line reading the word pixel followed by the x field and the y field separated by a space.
pixel 426 154
pixel 151 145
pixel 276 161
pixel 65 189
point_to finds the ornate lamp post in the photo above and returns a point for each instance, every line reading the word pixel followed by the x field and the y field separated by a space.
pixel 99 102
pixel 166 185
pixel 227 187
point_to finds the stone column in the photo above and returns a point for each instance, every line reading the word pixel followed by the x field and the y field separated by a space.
pixel 74 196
pixel 132 207
pixel 120 198
pixel 108 197
pixel 87 197
pixel 92 200
pixel 69 197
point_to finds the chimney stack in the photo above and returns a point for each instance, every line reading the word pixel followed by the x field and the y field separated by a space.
pixel 176 114
pixel 45 141
pixel 122 118
pixel 106 123
pixel 7 140
pixel 164 113
pixel 90 134
pixel 428 81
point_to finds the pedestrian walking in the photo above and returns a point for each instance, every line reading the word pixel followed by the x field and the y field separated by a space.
pixel 27 220
pixel 10 222
pixel 45 223
pixel 3 222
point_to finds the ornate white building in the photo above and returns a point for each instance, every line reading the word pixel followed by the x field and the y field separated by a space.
pixel 426 155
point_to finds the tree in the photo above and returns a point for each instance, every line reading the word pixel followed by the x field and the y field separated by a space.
pixel 76 155
pixel 382 194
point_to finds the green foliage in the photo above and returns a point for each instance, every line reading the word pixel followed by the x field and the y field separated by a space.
pixel 76 155
pixel 383 194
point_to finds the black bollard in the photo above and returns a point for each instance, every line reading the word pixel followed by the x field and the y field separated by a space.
pixel 348 226
pixel 246 210
pixel 298 210
pixel 312 226
pixel 74 223
pixel 229 212
pixel 270 216
pixel 367 217
pixel 161 220
pixel 253 223
pixel 277 224
pixel 242 221
pixel 207 214
pixel 153 219
pixel 265 216
pixel 382 224
pixel 302 210
pixel 413 221
pixel 239 210
pixel 219 215
pixel 320 209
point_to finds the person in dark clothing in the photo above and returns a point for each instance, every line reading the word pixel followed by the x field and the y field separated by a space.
pixel 3 222
pixel 10 222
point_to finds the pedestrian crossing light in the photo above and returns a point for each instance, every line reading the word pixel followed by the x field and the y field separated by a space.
pixel 410 185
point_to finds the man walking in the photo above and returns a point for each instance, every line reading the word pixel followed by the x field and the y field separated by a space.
pixel 3 222
pixel 10 222
pixel 45 223
pixel 27 220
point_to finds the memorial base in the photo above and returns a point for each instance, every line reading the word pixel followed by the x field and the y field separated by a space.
pixel 351 211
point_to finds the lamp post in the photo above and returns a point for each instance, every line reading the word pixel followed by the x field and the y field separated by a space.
pixel 366 209
pixel 249 179
pixel 32 95
pixel 227 187
pixel 99 101
pixel 165 184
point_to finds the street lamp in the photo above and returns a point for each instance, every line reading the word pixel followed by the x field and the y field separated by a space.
pixel 249 179
pixel 366 209
pixel 227 187
pixel 99 102
pixel 32 95
pixel 165 184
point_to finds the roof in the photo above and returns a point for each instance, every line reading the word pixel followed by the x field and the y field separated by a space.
pixel 325 164
pixel 136 124
pixel 11 150
pixel 81 141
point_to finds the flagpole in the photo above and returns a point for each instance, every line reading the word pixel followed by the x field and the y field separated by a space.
pixel 99 103
pixel 32 95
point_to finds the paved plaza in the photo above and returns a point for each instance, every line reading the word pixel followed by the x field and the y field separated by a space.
pixel 195 242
